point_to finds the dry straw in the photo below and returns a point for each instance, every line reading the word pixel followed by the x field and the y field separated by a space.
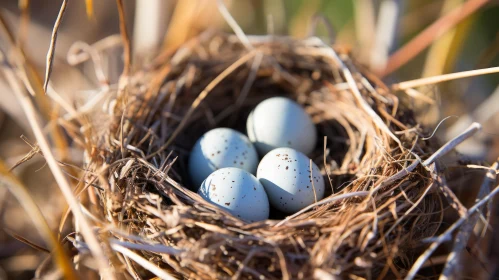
pixel 385 180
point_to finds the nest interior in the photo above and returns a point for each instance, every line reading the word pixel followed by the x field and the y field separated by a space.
pixel 372 218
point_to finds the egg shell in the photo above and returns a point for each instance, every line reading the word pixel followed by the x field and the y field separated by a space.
pixel 219 148
pixel 280 122
pixel 285 175
pixel 238 192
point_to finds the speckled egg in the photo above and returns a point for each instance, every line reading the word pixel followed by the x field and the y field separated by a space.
pixel 238 192
pixel 285 175
pixel 219 148
pixel 280 122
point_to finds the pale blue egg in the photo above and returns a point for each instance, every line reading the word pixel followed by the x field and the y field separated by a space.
pixel 285 175
pixel 238 192
pixel 219 148
pixel 280 122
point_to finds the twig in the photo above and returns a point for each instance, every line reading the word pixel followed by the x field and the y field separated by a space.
pixel 463 235
pixel 53 40
pixel 126 39
pixel 447 234
pixel 443 78
pixel 472 129
pixel 449 195
pixel 432 32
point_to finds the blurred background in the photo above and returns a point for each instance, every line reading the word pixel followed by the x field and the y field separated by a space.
pixel 373 29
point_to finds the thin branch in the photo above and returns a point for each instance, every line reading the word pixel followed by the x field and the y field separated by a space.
pixel 472 129
pixel 53 40
pixel 447 235
pixel 432 32
pixel 462 237
pixel 449 195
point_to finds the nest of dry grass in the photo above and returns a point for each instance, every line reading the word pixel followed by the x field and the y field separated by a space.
pixel 380 204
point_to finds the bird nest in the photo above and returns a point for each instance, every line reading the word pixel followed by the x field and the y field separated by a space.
pixel 379 202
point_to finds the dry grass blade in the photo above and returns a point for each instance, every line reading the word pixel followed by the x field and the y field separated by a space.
pixel 443 78
pixel 126 39
pixel 233 24
pixel 461 240
pixel 86 230
pixel 53 41
pixel 332 199
pixel 34 84
pixel 143 262
pixel 26 241
pixel 432 32
pixel 9 181
pixel 355 90
pixel 24 22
